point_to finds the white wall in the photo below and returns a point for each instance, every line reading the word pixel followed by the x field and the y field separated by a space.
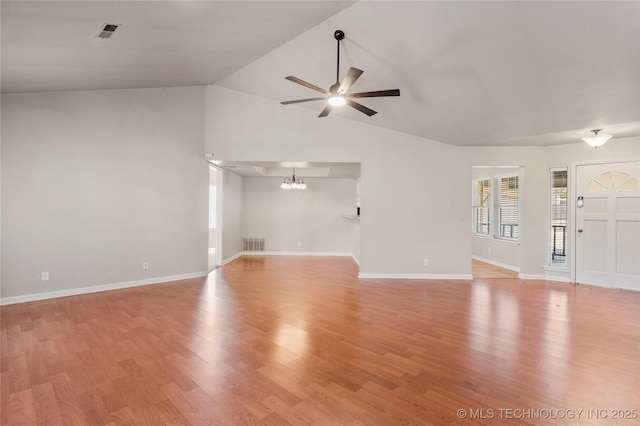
pixel 496 251
pixel 308 221
pixel 94 183
pixel 414 192
pixel 232 210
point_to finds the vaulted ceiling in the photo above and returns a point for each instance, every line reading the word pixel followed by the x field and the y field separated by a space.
pixel 470 73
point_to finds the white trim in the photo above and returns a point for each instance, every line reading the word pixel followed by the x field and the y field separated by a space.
pixel 293 253
pixel 495 263
pixel 95 289
pixel 501 240
pixel 557 278
pixel 232 258
pixel 557 268
pixel 532 277
pixel 611 287
pixel 416 276
pixel 544 277
pixel 290 253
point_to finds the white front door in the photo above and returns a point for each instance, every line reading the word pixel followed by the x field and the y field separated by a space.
pixel 608 225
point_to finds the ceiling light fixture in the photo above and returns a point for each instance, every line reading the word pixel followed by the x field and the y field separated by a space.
pixel 337 100
pixel 596 140
pixel 293 182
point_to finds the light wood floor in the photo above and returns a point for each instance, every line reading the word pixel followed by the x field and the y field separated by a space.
pixel 300 340
pixel 481 269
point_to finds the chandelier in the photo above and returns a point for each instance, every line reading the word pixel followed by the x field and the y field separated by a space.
pixel 293 182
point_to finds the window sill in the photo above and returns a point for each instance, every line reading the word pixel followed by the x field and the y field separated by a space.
pixel 497 240
pixel 557 268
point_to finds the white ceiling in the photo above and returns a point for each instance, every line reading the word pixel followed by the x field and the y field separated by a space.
pixel 53 45
pixel 286 169
pixel 470 73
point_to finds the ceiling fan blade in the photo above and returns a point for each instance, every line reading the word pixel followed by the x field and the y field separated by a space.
pixel 325 111
pixel 377 93
pixel 361 108
pixel 352 75
pixel 297 101
pixel 305 84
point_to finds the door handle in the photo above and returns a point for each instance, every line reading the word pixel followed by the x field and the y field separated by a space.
pixel 580 230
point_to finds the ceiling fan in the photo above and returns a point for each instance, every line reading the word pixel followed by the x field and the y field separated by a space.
pixel 337 94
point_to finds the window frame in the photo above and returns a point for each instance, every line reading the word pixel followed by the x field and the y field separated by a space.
pixel 494 206
pixel 550 251
pixel 483 204
pixel 500 206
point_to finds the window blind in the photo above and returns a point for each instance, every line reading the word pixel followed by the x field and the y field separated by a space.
pixel 482 198
pixel 558 215
pixel 509 214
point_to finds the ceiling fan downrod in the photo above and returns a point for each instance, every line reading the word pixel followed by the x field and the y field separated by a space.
pixel 338 35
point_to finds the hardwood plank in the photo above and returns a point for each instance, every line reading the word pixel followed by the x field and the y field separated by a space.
pixel 481 269
pixel 21 409
pixel 71 412
pixel 302 340
pixel 46 406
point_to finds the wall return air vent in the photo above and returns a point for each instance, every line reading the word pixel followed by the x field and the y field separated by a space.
pixel 253 244
pixel 108 30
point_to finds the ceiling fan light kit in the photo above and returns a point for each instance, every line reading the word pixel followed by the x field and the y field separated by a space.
pixel 338 95
pixel 337 100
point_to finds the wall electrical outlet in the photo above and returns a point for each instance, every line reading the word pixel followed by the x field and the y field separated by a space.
pixel 489 250
pixel 426 262
pixel 145 266
pixel 45 276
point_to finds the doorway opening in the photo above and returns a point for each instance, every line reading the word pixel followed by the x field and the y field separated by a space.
pixel 214 229
pixel 496 231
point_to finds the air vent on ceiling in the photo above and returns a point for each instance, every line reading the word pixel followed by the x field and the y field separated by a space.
pixel 108 30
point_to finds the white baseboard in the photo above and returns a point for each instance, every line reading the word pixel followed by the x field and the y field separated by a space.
pixel 416 276
pixel 495 263
pixel 293 253
pixel 232 258
pixel 356 259
pixel 283 253
pixel 532 277
pixel 557 278
pixel 95 289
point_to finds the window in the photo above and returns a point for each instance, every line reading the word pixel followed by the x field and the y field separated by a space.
pixel 496 205
pixel 508 209
pixel 481 209
pixel 558 216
